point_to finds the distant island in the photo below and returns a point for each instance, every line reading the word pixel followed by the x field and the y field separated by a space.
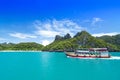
pixel 83 40
pixel 23 46
pixel 65 43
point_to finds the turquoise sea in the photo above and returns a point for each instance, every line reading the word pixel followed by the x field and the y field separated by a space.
pixel 56 66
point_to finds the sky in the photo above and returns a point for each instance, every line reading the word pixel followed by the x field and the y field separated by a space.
pixel 40 20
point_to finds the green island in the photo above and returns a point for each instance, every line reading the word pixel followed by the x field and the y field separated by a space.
pixel 81 40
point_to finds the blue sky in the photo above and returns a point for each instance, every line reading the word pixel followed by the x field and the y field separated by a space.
pixel 40 20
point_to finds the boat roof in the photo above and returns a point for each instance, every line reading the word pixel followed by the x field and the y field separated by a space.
pixel 91 49
pixel 86 51
pixel 98 49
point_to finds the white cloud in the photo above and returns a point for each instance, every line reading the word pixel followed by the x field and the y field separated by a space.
pixel 47 33
pixel 47 30
pixel 96 20
pixel 50 28
pixel 45 42
pixel 22 36
pixel 103 34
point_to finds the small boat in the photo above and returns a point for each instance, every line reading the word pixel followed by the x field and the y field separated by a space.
pixel 89 53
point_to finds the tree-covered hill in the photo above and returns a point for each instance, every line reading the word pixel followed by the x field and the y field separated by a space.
pixel 114 40
pixel 81 40
pixel 21 46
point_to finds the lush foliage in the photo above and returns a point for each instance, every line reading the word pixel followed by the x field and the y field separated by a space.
pixel 80 40
pixel 21 46
pixel 112 39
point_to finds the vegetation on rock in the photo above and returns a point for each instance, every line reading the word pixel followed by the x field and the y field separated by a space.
pixel 81 40
pixel 21 46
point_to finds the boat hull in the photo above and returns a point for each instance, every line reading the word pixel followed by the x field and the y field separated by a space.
pixel 85 56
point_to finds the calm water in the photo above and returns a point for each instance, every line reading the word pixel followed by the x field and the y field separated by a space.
pixel 56 66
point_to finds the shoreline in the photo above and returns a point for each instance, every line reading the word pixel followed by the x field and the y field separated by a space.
pixel 27 51
pixel 19 51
